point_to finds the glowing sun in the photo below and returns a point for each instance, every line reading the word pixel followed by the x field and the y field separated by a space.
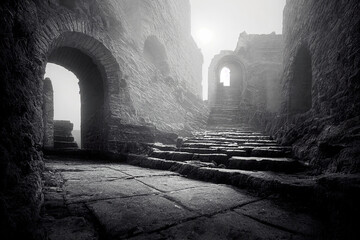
pixel 205 35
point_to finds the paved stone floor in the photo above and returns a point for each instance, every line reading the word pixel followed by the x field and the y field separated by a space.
pixel 98 200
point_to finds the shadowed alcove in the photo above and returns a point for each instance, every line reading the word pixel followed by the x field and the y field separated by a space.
pixel 301 83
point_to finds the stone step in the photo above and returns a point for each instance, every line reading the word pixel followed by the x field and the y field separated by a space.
pixel 274 153
pixel 163 147
pixel 219 158
pixel 242 151
pixel 172 155
pixel 65 145
pixel 228 140
pixel 63 138
pixel 208 145
pixel 298 186
pixel 197 150
pixel 287 165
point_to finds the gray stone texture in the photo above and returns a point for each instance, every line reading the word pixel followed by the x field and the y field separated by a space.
pixel 48 114
pixel 122 92
pixel 255 73
pixel 175 208
pixel 327 134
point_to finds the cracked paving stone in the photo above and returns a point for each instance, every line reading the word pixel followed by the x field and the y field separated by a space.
pixel 224 226
pixel 81 191
pixel 286 217
pixel 70 228
pixel 173 183
pixel 211 199
pixel 142 172
pixel 98 175
pixel 125 217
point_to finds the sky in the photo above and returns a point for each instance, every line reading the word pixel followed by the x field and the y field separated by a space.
pixel 215 26
pixel 66 94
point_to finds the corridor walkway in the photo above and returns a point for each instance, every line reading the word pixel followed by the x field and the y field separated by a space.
pixel 100 200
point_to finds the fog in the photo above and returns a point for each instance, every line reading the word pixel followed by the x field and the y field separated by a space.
pixel 216 25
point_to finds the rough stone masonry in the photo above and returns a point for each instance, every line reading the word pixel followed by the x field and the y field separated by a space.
pixel 140 81
pixel 139 72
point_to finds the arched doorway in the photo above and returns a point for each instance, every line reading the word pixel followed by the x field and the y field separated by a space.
pixel 97 71
pixel 91 92
pixel 230 84
pixel 300 100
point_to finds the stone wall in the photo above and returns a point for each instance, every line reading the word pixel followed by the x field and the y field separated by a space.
pixel 255 73
pixel 128 90
pixel 48 114
pixel 321 100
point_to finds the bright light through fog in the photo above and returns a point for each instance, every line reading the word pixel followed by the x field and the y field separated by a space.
pixel 66 94
pixel 205 36
pixel 216 24
pixel 225 76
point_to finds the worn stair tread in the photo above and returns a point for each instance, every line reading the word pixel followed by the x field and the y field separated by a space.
pixel 235 158
pixel 198 150
pixel 295 185
pixel 163 147
pixel 266 164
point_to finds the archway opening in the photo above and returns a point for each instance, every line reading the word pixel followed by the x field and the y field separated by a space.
pixel 66 97
pixel 230 83
pixel 225 76
pixel 91 93
pixel 301 83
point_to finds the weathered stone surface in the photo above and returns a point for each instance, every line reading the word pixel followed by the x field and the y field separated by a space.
pixel 255 72
pixel 223 226
pixel 172 183
pixel 284 216
pixel 48 114
pixel 70 228
pixel 81 191
pixel 124 217
pixel 210 199
pixel 323 127
pixel 103 43
pixel 266 164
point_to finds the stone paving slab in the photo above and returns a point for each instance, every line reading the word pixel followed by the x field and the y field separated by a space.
pixel 70 228
pixel 81 191
pixel 229 225
pixel 283 216
pixel 143 172
pixel 155 204
pixel 211 199
pixel 172 183
pixel 96 175
pixel 125 217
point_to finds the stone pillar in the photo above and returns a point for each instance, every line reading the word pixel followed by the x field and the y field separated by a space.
pixel 48 114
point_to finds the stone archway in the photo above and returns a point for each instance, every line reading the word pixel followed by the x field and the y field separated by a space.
pixel 97 71
pixel 227 95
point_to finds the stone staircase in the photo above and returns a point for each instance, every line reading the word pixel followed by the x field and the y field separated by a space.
pixel 232 148
pixel 63 138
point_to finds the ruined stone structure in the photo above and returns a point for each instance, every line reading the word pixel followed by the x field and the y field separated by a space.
pixel 320 97
pixel 140 82
pixel 255 73
pixel 305 95
pixel 139 71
